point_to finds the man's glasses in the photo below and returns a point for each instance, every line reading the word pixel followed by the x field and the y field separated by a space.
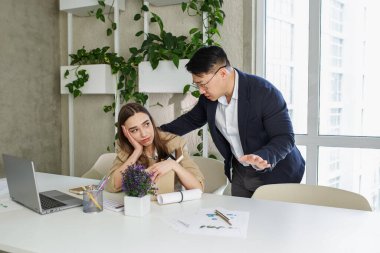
pixel 204 85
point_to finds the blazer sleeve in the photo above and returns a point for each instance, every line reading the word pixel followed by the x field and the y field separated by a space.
pixel 189 121
pixel 278 127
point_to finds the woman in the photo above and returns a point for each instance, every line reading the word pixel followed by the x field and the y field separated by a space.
pixel 141 142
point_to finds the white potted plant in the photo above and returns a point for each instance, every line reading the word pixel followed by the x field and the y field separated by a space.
pixel 137 185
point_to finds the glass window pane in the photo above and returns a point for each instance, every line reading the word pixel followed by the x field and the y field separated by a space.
pixel 351 169
pixel 349 68
pixel 302 150
pixel 287 32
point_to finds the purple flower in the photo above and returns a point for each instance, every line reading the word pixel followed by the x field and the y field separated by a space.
pixel 137 182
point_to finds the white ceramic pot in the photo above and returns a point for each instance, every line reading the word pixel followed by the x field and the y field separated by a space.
pixel 135 206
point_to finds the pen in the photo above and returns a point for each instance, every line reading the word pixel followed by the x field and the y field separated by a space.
pixel 102 183
pixel 225 218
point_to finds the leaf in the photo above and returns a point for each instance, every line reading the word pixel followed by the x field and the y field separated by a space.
pixel 133 50
pixel 66 73
pixel 139 33
pixel 137 17
pixel 212 156
pixel 101 3
pixel 176 60
pixel 200 146
pixel 77 93
pixel 183 6
pixel 196 93
pixel 193 6
pixel 193 30
pixel 186 88
pixel 144 8
pixel 109 31
pixel 114 26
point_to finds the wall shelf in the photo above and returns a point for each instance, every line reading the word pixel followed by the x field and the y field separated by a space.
pixel 83 7
pixel 165 2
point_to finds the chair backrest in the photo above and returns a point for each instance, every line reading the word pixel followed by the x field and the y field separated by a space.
pixel 313 195
pixel 213 171
pixel 101 166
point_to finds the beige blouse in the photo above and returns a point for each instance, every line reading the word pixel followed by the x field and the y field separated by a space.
pixel 173 142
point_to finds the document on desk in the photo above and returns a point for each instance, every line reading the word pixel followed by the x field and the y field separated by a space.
pixel 3 186
pixel 206 222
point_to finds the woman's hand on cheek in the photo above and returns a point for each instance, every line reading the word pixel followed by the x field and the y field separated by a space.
pixel 137 146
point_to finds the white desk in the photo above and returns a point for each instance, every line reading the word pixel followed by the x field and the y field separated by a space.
pixel 273 227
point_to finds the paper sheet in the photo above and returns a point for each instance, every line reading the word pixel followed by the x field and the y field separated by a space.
pixel 3 186
pixel 175 197
pixel 205 222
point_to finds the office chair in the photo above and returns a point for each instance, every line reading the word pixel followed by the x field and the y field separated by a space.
pixel 213 171
pixel 312 195
pixel 101 166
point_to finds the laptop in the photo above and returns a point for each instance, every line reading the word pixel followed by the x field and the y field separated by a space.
pixel 23 189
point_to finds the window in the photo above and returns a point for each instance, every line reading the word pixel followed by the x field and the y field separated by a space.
pixel 336 87
pixel 325 62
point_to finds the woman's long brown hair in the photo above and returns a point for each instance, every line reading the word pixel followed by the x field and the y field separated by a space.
pixel 127 111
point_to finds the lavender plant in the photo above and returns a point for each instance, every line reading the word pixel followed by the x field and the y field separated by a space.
pixel 137 182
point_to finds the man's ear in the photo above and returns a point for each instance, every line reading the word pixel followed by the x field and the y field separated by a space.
pixel 224 72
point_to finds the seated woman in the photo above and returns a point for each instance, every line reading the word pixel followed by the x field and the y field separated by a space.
pixel 140 141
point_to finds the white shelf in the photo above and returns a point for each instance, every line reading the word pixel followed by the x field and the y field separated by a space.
pixel 165 2
pixel 83 7
pixel 100 81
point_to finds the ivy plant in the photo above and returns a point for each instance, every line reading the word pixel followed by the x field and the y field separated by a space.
pixel 99 14
pixel 156 47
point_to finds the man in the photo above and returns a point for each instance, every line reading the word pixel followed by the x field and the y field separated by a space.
pixel 248 120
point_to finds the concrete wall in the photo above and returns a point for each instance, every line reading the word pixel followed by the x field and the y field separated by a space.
pixel 93 128
pixel 30 103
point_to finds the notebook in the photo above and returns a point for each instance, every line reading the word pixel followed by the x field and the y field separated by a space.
pixel 23 189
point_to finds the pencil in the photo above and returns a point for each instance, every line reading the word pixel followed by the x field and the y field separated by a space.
pixel 225 218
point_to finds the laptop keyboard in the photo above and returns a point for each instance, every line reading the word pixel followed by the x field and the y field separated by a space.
pixel 48 203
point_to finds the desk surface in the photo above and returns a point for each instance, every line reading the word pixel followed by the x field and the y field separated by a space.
pixel 273 227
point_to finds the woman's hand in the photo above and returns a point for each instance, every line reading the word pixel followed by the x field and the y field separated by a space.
pixel 137 146
pixel 256 160
pixel 159 169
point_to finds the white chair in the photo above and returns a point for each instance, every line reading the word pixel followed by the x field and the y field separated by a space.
pixel 101 166
pixel 213 171
pixel 312 195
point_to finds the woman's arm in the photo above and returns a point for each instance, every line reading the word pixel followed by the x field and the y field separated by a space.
pixel 187 179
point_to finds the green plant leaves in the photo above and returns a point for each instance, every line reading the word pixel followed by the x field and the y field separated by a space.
pixel 144 8
pixel 137 17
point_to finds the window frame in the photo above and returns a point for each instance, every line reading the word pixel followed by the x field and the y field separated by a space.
pixel 312 140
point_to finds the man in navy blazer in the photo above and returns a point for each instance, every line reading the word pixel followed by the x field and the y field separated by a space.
pixel 248 120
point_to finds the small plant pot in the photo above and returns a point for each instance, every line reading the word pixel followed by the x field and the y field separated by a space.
pixel 135 206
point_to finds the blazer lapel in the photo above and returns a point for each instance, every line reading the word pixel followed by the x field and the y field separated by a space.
pixel 243 107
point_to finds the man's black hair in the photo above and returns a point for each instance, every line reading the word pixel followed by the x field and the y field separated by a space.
pixel 206 59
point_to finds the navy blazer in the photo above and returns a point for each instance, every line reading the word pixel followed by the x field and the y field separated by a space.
pixel 264 125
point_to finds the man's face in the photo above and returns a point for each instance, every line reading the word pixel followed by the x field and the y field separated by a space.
pixel 211 85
